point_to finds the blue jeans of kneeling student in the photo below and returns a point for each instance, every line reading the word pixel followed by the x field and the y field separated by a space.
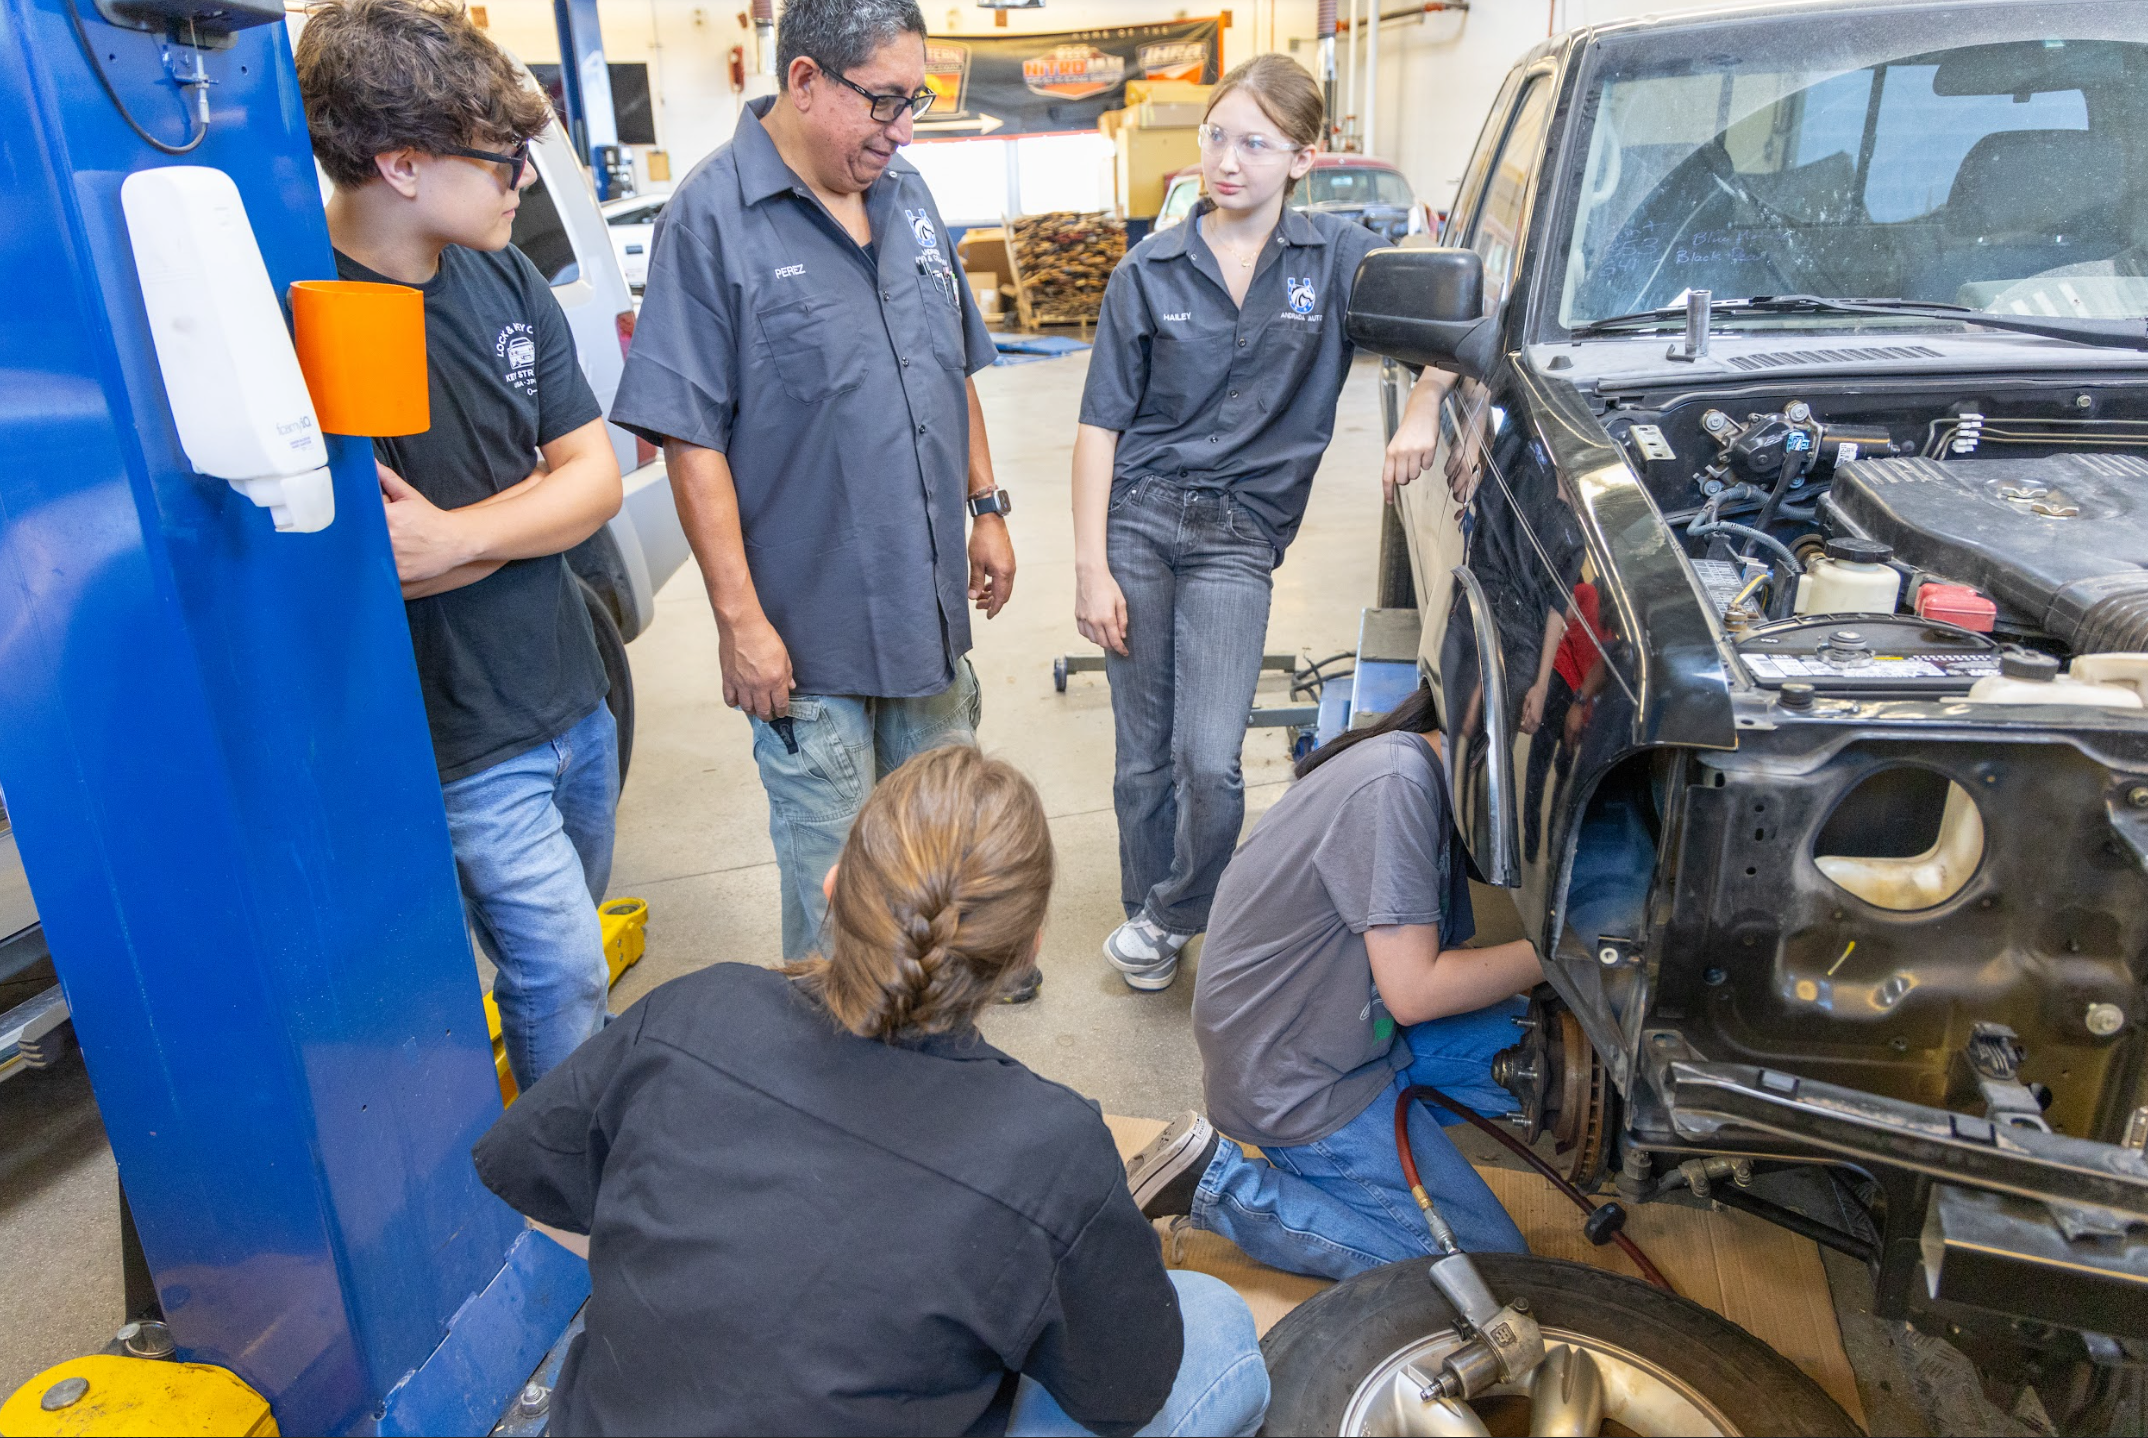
pixel 1340 1205
pixel 1222 1385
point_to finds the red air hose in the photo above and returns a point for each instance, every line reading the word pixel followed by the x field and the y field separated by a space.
pixel 1626 1245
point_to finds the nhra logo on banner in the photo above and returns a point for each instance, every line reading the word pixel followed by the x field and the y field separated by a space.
pixel 1178 60
pixel 1074 72
pixel 947 73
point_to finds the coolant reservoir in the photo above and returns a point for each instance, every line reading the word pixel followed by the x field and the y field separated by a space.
pixel 1852 577
pixel 2027 677
pixel 2129 671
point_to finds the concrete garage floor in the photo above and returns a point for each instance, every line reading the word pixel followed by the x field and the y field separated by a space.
pixel 693 842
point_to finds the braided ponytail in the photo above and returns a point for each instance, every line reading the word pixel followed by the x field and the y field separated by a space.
pixel 938 900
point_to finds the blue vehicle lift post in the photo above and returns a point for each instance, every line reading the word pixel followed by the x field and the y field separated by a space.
pixel 217 762
pixel 586 80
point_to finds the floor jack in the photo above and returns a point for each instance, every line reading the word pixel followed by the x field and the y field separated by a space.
pixel 1383 672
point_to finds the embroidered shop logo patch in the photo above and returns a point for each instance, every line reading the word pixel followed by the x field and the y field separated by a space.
pixel 921 226
pixel 1302 296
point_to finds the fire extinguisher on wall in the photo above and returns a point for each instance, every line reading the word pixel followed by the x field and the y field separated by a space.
pixel 738 69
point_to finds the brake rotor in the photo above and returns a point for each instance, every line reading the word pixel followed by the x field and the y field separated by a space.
pixel 1582 1128
pixel 1560 1087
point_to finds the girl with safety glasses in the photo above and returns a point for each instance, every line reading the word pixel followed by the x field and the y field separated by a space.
pixel 1219 358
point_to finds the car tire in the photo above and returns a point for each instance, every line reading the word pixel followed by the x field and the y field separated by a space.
pixel 618 674
pixel 1324 1349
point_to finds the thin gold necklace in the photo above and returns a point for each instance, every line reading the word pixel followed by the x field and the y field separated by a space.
pixel 1245 262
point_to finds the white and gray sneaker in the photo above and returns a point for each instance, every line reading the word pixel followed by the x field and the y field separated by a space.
pixel 1164 1175
pixel 1145 955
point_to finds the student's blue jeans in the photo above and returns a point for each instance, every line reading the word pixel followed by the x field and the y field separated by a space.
pixel 846 744
pixel 1340 1205
pixel 1195 569
pixel 1222 1385
pixel 533 848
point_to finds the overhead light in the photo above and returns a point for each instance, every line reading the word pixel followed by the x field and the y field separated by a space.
pixel 1010 4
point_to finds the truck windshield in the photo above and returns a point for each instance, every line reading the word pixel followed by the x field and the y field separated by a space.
pixel 2007 173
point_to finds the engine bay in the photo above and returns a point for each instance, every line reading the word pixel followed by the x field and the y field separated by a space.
pixel 1892 542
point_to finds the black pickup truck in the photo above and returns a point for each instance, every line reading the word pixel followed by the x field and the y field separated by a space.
pixel 1784 589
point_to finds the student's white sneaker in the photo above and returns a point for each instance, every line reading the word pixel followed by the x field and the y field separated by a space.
pixel 1145 955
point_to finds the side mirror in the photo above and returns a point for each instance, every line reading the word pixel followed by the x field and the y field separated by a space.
pixel 1424 307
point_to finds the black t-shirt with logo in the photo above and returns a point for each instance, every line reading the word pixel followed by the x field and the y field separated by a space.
pixel 511 661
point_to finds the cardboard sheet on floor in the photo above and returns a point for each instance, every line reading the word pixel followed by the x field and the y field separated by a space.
pixel 1765 1279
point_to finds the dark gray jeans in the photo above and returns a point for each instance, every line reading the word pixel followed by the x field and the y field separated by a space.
pixel 1195 571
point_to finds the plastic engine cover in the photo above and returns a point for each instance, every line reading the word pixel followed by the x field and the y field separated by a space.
pixel 2061 542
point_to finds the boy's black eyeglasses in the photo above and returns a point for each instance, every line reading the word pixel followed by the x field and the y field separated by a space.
pixel 516 161
pixel 887 109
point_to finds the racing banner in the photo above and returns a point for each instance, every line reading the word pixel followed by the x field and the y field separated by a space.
pixel 1029 84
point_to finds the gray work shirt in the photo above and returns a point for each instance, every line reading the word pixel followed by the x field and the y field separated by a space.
pixel 1209 395
pixel 833 379
pixel 1294 1039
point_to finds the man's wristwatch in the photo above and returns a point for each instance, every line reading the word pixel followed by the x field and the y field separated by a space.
pixel 996 501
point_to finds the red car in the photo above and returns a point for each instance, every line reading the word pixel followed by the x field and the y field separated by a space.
pixel 1372 192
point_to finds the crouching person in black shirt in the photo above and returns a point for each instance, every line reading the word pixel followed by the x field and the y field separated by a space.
pixel 816 1201
pixel 423 126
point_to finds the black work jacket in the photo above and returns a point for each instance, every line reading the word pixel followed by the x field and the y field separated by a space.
pixel 795 1230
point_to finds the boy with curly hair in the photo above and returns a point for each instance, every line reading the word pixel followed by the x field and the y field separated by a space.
pixel 423 127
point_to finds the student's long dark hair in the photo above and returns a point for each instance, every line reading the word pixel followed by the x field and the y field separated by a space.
pixel 1418 714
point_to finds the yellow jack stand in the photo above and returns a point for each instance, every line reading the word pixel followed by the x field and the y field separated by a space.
pixel 626 938
pixel 104 1394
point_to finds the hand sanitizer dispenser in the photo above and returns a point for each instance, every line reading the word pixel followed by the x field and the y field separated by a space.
pixel 237 395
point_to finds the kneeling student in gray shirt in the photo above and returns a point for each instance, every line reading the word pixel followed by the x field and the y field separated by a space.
pixel 1332 979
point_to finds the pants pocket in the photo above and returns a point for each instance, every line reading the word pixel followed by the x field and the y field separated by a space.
pixel 822 780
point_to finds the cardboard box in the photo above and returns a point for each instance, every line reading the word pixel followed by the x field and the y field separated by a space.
pixel 983 251
pixel 1145 157
pixel 1182 92
pixel 1169 114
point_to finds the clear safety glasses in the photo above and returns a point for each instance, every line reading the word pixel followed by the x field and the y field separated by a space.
pixel 1253 149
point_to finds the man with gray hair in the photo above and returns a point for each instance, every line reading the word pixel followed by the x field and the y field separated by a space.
pixel 803 355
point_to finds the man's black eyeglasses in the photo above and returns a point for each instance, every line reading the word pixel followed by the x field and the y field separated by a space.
pixel 516 161
pixel 887 109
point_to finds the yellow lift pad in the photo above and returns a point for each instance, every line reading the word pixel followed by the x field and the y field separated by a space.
pixel 103 1394
pixel 626 938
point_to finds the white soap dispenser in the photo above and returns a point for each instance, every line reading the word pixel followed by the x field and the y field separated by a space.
pixel 238 398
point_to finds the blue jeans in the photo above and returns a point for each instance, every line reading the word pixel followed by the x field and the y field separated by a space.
pixel 1222 1385
pixel 1195 571
pixel 1340 1205
pixel 533 848
pixel 846 744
